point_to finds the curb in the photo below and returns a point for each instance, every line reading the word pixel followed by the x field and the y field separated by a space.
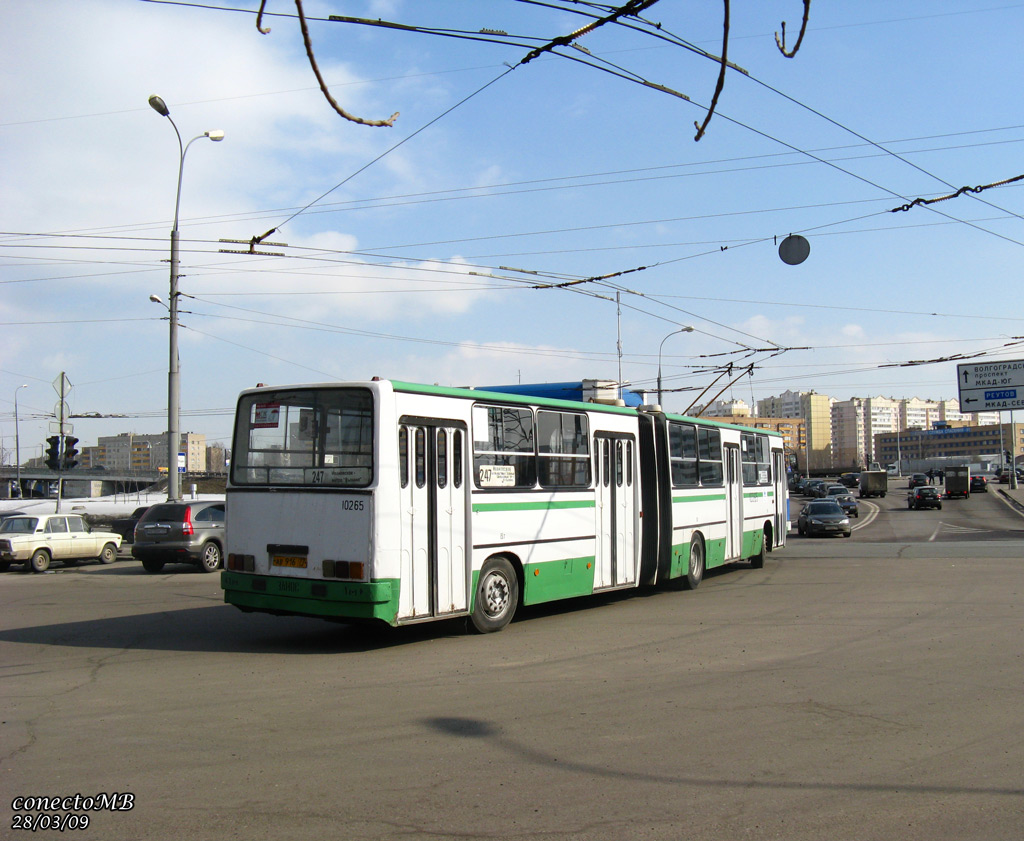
pixel 1015 503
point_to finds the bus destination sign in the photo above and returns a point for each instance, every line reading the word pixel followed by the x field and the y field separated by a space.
pixel 991 386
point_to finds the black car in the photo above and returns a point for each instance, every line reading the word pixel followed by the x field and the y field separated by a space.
pixel 125 526
pixel 918 480
pixel 979 485
pixel 924 497
pixel 848 504
pixel 823 516
pixel 181 532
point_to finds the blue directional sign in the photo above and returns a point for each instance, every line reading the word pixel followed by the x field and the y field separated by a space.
pixel 991 386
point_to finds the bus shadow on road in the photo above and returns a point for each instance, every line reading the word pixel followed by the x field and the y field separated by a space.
pixel 217 627
pixel 222 628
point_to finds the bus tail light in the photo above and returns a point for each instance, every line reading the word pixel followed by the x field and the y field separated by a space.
pixel 349 570
pixel 241 563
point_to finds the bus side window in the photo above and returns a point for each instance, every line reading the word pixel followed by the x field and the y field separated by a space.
pixel 457 458
pixel 421 457
pixel 403 455
pixel 442 458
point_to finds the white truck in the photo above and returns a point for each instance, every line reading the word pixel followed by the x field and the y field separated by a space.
pixel 873 483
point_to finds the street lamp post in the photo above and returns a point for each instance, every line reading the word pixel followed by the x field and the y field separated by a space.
pixel 17 438
pixel 687 329
pixel 173 372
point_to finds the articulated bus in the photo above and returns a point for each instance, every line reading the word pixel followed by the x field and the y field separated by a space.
pixel 406 503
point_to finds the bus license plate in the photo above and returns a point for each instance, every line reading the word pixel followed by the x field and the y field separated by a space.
pixel 289 561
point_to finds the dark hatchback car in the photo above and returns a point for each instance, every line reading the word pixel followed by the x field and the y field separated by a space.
pixel 979 484
pixel 924 497
pixel 918 480
pixel 823 516
pixel 183 533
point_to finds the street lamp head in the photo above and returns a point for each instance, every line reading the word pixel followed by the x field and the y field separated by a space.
pixel 686 329
pixel 158 105
pixel 215 134
pixel 156 299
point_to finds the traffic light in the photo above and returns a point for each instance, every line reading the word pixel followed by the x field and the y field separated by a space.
pixel 70 452
pixel 53 452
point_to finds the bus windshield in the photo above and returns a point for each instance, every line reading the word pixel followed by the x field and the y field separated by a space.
pixel 318 436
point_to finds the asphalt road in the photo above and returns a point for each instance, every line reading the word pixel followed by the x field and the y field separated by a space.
pixel 852 689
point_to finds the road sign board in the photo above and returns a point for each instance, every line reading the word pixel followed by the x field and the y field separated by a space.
pixel 991 386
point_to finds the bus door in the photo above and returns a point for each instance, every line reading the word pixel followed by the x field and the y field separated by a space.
pixel 617 533
pixel 434 525
pixel 734 502
pixel 781 498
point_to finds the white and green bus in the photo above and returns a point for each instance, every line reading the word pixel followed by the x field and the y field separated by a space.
pixel 406 503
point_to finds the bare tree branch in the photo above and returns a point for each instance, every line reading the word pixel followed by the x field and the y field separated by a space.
pixel 316 69
pixel 721 76
pixel 803 28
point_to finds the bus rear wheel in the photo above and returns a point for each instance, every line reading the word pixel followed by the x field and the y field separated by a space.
pixel 695 570
pixel 757 561
pixel 497 595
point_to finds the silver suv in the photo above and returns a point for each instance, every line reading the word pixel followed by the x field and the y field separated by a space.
pixel 181 532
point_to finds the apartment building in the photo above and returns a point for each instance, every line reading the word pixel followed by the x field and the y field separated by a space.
pixel 727 408
pixel 857 423
pixel 129 451
pixel 815 449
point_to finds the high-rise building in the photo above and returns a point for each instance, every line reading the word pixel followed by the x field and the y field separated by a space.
pixel 855 423
pixel 815 453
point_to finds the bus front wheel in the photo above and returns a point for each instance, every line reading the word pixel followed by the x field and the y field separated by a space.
pixel 497 594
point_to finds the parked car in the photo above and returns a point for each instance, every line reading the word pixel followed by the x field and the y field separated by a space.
pixel 125 526
pixel 37 540
pixel 979 484
pixel 924 496
pixel 1003 476
pixel 181 532
pixel 918 480
pixel 848 504
pixel 823 516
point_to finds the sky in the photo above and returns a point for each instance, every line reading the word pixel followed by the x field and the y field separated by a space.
pixel 438 249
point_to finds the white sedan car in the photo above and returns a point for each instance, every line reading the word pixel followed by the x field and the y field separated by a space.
pixel 37 539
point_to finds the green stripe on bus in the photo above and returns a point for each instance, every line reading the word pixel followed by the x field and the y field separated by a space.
pixel 704 498
pixel 548 505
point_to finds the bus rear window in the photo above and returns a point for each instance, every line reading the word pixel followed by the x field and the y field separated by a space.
pixel 304 437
